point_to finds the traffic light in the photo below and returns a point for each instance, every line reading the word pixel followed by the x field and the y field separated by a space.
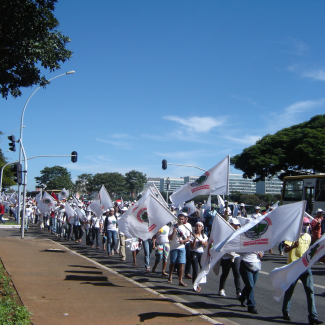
pixel 18 173
pixel 12 144
pixel 164 164
pixel 74 156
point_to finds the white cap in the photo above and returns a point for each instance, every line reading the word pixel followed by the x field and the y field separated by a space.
pixel 242 204
pixel 319 210
pixel 181 213
pixel 257 208
pixel 124 209
pixel 234 221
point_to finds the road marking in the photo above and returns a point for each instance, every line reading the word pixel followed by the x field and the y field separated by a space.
pixel 315 285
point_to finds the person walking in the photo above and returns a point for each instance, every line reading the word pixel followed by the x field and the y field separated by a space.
pixel 295 251
pixel 160 243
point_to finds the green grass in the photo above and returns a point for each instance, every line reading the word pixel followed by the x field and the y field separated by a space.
pixel 11 313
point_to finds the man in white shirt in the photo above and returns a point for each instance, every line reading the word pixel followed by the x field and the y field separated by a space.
pixel 178 238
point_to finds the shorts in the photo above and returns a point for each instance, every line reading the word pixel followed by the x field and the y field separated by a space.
pixel 162 252
pixel 178 256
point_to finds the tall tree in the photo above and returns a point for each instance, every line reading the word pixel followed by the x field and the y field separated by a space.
pixel 55 178
pixel 135 181
pixel 81 183
pixel 29 39
pixel 113 182
pixel 294 150
pixel 7 174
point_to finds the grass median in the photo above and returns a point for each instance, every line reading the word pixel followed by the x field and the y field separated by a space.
pixel 12 311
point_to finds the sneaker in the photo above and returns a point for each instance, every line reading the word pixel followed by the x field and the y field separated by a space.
pixel 281 254
pixel 222 293
pixel 238 295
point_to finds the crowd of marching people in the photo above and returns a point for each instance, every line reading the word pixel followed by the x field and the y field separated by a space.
pixel 181 241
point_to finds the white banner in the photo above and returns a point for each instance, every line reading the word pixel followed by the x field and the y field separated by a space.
pixel 64 194
pixel 96 207
pixel 221 229
pixel 214 181
pixel 261 234
pixel 284 276
pixel 189 208
pixel 70 213
pixel 145 219
pixel 105 199
pixel 80 215
pixel 46 204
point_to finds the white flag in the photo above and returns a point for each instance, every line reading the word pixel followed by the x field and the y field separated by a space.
pixel 207 207
pixel 46 204
pixel 189 208
pixel 221 230
pixel 96 207
pixel 261 234
pixel 214 181
pixel 145 219
pixel 105 199
pixel 221 204
pixel 64 194
pixel 284 276
pixel 157 194
pixel 80 215
pixel 70 213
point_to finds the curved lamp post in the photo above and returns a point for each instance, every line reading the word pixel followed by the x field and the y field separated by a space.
pixel 21 150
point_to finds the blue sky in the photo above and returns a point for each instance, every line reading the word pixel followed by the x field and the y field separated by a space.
pixel 187 81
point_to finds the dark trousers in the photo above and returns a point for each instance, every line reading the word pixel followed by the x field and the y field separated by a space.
pixel 195 262
pixel 77 232
pixel 226 265
pixel 249 278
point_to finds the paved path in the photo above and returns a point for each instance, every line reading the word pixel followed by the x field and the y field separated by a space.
pixel 59 286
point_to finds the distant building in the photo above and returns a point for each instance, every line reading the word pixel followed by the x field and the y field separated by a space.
pixel 152 180
pixel 272 186
pixel 239 184
pixel 174 183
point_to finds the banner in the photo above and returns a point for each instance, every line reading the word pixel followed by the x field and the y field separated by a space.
pixel 221 229
pixel 157 194
pixel 263 233
pixel 221 204
pixel 70 213
pixel 189 208
pixel 46 204
pixel 145 219
pixel 96 207
pixel 80 215
pixel 213 181
pixel 63 195
pixel 284 276
pixel 105 200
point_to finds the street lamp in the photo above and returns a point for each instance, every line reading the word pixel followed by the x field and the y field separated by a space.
pixel 22 150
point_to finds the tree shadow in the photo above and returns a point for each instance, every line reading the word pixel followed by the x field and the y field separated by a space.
pixel 152 315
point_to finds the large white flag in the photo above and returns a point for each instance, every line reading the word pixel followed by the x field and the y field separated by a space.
pixel 46 204
pixel 145 219
pixel 70 213
pixel 214 181
pixel 283 223
pixel 221 229
pixel 284 276
pixel 96 207
pixel 105 199
pixel 63 195
pixel 155 192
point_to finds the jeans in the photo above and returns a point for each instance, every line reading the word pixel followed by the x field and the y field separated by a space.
pixel 111 240
pixel 95 234
pixel 195 261
pixel 307 280
pixel 226 265
pixel 281 247
pixel 147 246
pixel 77 232
pixel 1 215
pixel 249 278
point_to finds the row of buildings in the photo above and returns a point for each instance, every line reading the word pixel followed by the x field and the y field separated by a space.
pixel 236 184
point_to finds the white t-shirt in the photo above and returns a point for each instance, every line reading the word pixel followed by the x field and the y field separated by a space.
pixel 174 243
pixel 28 212
pixel 96 221
pixel 199 248
pixel 111 223
pixel 188 227
pixel 162 235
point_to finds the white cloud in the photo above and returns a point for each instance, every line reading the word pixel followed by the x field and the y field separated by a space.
pixel 121 136
pixel 315 74
pixel 197 124
pixel 299 107
pixel 247 140
pixel 114 143
pixel 186 154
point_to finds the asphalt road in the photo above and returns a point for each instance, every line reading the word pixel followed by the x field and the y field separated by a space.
pixel 208 301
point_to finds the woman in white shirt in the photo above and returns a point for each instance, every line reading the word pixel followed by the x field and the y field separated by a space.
pixel 197 245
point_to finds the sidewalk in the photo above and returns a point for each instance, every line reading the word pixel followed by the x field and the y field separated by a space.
pixel 59 286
